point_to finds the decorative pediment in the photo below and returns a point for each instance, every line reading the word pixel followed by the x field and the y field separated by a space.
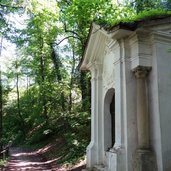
pixel 100 42
pixel 95 48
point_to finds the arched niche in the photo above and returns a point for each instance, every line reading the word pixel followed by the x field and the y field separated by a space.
pixel 109 119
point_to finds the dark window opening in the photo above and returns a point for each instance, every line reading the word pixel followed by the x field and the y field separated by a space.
pixel 109 119
pixel 112 112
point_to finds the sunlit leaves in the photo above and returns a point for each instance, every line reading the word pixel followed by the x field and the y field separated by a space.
pixel 38 6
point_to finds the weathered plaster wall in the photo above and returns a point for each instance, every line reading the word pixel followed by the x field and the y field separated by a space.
pixel 164 91
pixel 154 113
pixel 117 74
pixel 129 105
pixel 108 84
pixel 112 74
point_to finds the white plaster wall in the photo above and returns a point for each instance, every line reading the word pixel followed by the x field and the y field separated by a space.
pixel 154 112
pixel 108 68
pixel 129 106
pixel 112 73
pixel 117 74
pixel 108 83
pixel 164 92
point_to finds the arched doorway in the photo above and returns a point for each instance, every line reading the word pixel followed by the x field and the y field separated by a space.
pixel 109 119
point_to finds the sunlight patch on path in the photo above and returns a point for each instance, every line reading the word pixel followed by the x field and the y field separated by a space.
pixel 24 160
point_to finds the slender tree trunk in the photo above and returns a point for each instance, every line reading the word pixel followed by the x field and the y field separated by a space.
pixel 44 101
pixel 1 102
pixel 1 114
pixel 71 80
pixel 42 84
pixel 83 85
pixel 83 79
pixel 28 83
pixel 57 65
pixel 18 105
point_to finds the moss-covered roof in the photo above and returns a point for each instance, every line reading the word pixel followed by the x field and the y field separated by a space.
pixel 133 25
pixel 145 15
pixel 144 19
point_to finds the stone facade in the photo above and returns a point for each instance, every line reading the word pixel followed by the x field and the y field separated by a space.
pixel 131 97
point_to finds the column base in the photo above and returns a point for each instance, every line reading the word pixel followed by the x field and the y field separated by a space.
pixel 145 160
pixel 99 168
pixel 96 168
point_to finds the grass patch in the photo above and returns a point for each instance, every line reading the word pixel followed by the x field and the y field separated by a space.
pixel 132 17
pixel 3 162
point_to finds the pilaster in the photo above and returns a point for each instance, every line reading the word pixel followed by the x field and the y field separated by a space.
pixel 144 157
pixel 94 156
pixel 140 49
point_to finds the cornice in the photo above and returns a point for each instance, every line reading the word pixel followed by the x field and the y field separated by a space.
pixel 161 36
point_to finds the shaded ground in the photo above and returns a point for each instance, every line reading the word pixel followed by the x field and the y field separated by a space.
pixel 26 160
pixel 45 158
pixel 21 159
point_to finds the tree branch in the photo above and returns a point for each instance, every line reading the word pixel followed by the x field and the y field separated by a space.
pixel 65 1
pixel 8 6
pixel 65 39
pixel 70 31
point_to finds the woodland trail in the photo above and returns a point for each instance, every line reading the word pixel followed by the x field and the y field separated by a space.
pixel 27 160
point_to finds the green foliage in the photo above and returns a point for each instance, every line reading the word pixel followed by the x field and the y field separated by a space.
pixel 3 163
pixel 153 13
pixel 140 5
pixel 76 136
pixel 143 15
pixel 6 8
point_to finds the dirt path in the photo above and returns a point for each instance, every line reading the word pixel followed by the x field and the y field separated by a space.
pixel 26 160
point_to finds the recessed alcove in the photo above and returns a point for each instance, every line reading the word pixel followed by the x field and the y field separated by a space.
pixel 109 119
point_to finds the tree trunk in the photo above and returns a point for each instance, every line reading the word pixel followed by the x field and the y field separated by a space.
pixel 57 65
pixel 43 94
pixel 72 77
pixel 42 85
pixel 28 83
pixel 1 114
pixel 83 84
pixel 1 101
pixel 18 104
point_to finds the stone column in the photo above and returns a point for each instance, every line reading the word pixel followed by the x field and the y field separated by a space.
pixel 92 147
pixel 94 150
pixel 99 114
pixel 142 107
pixel 145 160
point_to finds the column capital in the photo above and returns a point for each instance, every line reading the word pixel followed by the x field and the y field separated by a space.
pixel 96 71
pixel 141 71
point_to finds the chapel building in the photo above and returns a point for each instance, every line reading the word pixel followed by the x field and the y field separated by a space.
pixel 130 67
